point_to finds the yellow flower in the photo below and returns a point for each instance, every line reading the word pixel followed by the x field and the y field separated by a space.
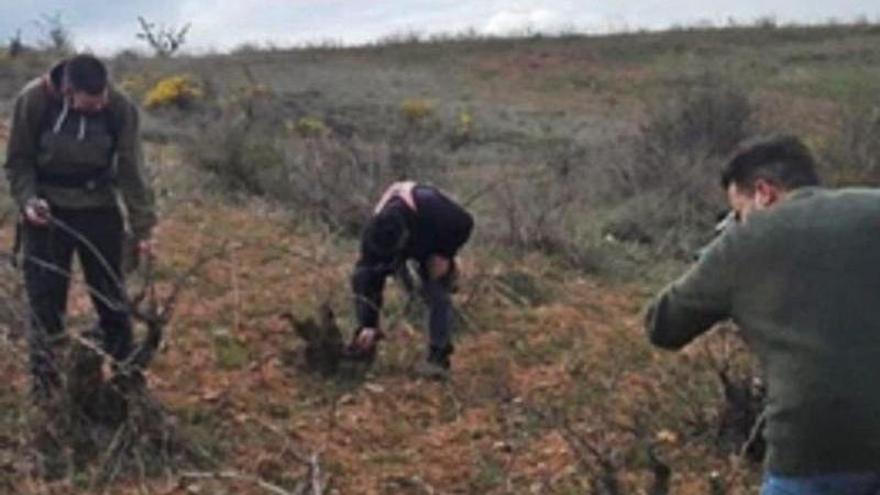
pixel 667 436
pixel 416 110
pixel 465 123
pixel 307 126
pixel 177 90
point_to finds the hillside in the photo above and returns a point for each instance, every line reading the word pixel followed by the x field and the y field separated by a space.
pixel 555 144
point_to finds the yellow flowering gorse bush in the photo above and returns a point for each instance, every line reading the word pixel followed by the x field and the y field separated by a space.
pixel 307 127
pixel 416 110
pixel 179 91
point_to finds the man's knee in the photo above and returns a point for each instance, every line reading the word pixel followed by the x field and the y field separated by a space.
pixel 117 336
pixel 439 267
pixel 436 293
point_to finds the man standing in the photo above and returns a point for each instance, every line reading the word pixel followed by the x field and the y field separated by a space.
pixel 74 149
pixel 419 222
pixel 799 273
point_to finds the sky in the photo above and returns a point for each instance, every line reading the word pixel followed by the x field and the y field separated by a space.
pixel 107 26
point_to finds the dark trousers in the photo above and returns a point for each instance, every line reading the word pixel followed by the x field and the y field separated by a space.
pixel 437 295
pixel 96 236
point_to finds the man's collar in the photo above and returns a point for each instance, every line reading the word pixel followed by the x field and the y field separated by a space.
pixel 802 193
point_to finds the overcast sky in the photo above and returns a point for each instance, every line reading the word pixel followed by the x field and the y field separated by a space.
pixel 109 25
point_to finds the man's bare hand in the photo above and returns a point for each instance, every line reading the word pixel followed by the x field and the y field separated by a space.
pixel 147 248
pixel 36 212
pixel 366 338
pixel 438 267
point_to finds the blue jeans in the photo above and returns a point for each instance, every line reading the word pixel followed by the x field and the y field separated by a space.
pixel 828 484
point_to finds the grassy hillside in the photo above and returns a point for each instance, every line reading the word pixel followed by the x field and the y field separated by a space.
pixel 591 165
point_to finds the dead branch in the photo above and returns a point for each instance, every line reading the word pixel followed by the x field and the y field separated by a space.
pixel 662 473
pixel 164 41
pixel 237 476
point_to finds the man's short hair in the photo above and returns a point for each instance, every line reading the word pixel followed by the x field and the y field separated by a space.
pixel 86 73
pixel 386 233
pixel 782 160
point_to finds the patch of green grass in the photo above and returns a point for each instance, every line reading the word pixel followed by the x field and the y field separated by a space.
pixel 230 353
pixel 491 473
pixel 389 457
pixel 842 84
pixel 205 429
pixel 547 351
pixel 522 286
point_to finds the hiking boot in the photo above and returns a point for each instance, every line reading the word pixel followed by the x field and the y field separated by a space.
pixel 354 351
pixel 436 365
pixel 431 370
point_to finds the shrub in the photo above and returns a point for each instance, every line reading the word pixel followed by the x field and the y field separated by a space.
pixel 853 157
pixel 242 160
pixel 667 190
pixel 308 127
pixel 164 40
pixel 463 132
pixel 180 91
pixel 136 85
pixel 330 176
pixel 706 118
pixel 56 33
pixel 16 45
pixel 416 110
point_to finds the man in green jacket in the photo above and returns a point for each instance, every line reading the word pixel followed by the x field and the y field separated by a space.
pixel 799 273
pixel 74 154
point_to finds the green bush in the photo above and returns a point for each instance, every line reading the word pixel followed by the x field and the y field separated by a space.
pixel 853 157
pixel 667 191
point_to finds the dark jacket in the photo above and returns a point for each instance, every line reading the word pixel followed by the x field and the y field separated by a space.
pixel 802 281
pixel 438 226
pixel 76 160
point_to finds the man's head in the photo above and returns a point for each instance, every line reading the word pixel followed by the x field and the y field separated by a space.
pixel 387 233
pixel 85 82
pixel 763 171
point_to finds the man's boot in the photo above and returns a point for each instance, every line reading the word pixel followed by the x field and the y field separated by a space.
pixel 436 365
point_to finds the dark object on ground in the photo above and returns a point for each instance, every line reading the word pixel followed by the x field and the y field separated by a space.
pixel 325 352
pixel 104 417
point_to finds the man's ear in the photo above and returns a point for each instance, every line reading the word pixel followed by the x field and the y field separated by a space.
pixel 767 192
pixel 65 85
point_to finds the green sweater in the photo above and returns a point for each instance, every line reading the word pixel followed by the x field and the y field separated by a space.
pixel 47 139
pixel 801 280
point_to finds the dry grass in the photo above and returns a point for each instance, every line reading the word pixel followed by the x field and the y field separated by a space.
pixel 529 374
pixel 555 389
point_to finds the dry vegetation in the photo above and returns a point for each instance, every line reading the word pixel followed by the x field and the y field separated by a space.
pixel 591 165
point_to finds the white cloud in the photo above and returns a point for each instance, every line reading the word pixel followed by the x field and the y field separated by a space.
pixel 518 21
pixel 222 24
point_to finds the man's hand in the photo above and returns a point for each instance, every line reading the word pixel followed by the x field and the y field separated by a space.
pixel 438 267
pixel 36 212
pixel 366 339
pixel 146 248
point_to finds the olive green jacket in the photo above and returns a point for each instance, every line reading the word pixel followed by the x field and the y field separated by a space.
pixel 802 281
pixel 47 139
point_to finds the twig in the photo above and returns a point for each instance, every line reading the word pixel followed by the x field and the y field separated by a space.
pixel 289 445
pixel 235 475
pixel 456 403
pixel 754 435
pixel 56 222
pixel 236 296
pixel 317 477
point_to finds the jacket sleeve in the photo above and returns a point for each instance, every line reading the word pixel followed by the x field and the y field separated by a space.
pixel 459 231
pixel 694 303
pixel 131 175
pixel 452 222
pixel 368 283
pixel 21 152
